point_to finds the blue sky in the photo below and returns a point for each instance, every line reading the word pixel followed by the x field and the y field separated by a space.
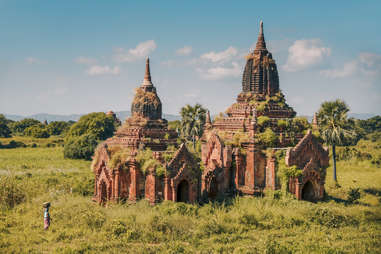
pixel 64 57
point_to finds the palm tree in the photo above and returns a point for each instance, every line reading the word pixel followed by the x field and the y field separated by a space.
pixel 333 126
pixel 192 122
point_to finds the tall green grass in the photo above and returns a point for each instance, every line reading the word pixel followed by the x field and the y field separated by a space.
pixel 239 225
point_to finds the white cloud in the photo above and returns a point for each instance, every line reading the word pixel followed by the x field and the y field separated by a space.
pixel 222 56
pixel 347 70
pixel 366 64
pixel 103 70
pixel 305 53
pixel 370 63
pixel 85 60
pixel 186 50
pixel 142 50
pixel 32 60
pixel 215 73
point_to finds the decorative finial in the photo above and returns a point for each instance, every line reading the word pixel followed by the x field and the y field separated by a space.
pixel 147 75
pixel 261 44
pixel 208 117
pixel 315 125
pixel 208 122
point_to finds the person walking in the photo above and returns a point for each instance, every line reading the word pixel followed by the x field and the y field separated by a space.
pixel 46 205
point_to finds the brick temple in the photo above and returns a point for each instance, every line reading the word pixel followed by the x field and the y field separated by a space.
pixel 145 129
pixel 235 160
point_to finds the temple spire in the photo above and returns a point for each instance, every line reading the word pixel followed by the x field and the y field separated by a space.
pixel 208 122
pixel 315 125
pixel 147 77
pixel 261 27
pixel 261 44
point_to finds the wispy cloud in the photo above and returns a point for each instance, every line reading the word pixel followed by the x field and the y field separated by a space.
pixel 222 56
pixel 366 64
pixel 220 72
pixel 102 70
pixel 303 54
pixel 85 60
pixel 142 50
pixel 348 69
pixel 32 60
pixel 186 50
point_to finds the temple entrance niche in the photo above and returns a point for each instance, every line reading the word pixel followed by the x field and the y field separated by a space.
pixel 308 192
pixel 183 192
pixel 213 188
pixel 231 178
pixel 102 192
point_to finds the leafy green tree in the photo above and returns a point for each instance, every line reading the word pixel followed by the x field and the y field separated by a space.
pixel 5 132
pixel 192 122
pixel 81 147
pixel 58 127
pixel 97 124
pixel 83 136
pixel 19 126
pixel 333 126
pixel 370 125
pixel 37 131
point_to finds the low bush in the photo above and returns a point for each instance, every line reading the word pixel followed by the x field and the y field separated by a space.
pixel 353 195
pixel 331 218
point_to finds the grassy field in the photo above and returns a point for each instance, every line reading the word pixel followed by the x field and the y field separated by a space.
pixel 31 176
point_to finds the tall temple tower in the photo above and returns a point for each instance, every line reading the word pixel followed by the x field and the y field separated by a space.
pixel 260 75
pixel 145 127
pixel 260 93
pixel 238 148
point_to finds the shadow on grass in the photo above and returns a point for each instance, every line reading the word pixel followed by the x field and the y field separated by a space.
pixel 373 191
pixel 328 198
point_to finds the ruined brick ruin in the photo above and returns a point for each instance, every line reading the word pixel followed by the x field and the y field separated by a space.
pixel 257 144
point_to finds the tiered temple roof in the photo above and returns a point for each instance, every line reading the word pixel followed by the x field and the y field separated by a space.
pixel 260 92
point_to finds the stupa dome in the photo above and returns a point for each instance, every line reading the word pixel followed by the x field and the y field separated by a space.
pixel 146 102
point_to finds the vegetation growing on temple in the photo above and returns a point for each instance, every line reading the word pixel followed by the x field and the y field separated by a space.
pixel 263 105
pixel 284 171
pixel 146 104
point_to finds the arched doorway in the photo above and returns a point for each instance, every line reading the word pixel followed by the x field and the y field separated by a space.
pixel 183 192
pixel 308 192
pixel 213 188
pixel 102 192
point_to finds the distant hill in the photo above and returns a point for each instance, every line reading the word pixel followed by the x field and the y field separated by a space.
pixel 361 116
pixel 122 115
